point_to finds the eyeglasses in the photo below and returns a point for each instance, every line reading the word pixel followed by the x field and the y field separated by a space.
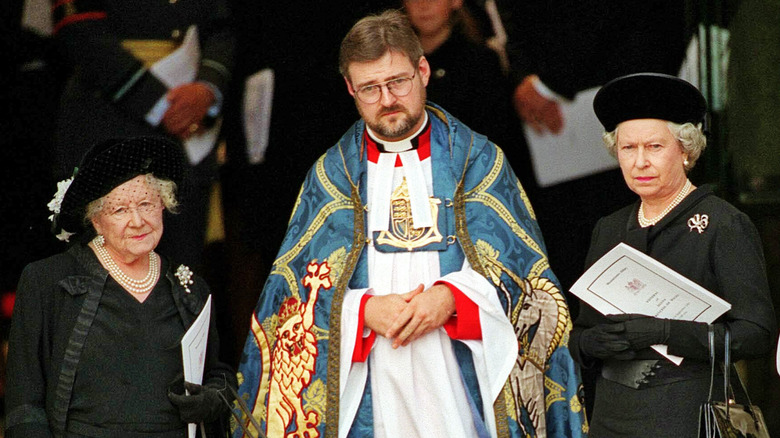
pixel 125 212
pixel 397 87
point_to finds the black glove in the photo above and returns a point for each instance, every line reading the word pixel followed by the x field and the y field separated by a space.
pixel 643 331
pixel 203 404
pixel 606 341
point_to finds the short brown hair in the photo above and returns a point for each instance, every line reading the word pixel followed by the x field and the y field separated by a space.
pixel 373 36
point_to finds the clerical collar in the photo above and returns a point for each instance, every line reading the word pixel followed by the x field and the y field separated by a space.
pixel 417 148
pixel 406 144
pixel 420 141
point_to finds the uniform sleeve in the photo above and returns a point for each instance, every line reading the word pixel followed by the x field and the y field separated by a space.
pixel 93 48
pixel 26 383
pixel 539 42
pixel 218 41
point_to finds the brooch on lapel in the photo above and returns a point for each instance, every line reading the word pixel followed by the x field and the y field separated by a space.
pixel 698 222
pixel 184 274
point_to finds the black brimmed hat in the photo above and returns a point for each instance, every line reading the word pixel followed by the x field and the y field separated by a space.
pixel 648 96
pixel 108 165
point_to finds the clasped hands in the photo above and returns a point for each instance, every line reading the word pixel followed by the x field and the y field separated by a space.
pixel 189 104
pixel 623 336
pixel 406 317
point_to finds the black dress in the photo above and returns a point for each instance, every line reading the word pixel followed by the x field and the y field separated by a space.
pixel 131 356
pixel 724 257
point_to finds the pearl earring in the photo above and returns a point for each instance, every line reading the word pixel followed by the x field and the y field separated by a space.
pixel 685 162
pixel 99 240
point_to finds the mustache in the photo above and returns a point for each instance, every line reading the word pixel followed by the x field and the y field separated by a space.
pixel 392 109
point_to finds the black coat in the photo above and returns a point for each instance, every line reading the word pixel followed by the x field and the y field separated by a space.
pixel 725 258
pixel 55 299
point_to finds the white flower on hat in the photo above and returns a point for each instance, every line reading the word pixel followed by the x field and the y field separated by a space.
pixel 56 203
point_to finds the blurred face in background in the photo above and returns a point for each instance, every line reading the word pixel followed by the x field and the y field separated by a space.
pixel 431 17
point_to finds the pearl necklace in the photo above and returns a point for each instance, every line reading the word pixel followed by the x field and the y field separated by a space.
pixel 132 285
pixel 644 222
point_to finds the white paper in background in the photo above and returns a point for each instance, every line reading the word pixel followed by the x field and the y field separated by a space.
pixel 193 350
pixel 577 151
pixel 181 67
pixel 689 70
pixel 258 99
pixel 36 16
pixel 778 356
pixel 625 280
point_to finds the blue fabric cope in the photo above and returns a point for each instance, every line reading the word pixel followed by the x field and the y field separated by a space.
pixel 289 372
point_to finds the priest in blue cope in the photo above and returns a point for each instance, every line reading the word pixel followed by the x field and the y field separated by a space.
pixel 412 295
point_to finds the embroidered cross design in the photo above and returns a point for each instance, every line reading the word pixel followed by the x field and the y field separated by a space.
pixel 317 277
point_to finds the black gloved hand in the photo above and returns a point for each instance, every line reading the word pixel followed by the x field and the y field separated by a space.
pixel 204 403
pixel 606 341
pixel 642 331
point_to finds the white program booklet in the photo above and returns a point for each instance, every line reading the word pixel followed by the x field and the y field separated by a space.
pixel 625 280
pixel 193 350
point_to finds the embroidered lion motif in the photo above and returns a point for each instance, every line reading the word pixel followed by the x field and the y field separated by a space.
pixel 293 360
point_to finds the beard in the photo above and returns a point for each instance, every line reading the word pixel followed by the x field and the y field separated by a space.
pixel 398 129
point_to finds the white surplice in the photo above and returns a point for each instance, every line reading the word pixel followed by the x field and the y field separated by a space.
pixel 417 389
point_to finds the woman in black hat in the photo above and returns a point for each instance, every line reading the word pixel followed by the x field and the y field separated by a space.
pixel 95 338
pixel 653 126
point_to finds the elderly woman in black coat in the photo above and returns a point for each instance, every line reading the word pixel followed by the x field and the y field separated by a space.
pixel 95 338
pixel 653 126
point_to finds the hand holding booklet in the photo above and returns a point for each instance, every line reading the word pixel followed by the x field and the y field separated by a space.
pixel 625 280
